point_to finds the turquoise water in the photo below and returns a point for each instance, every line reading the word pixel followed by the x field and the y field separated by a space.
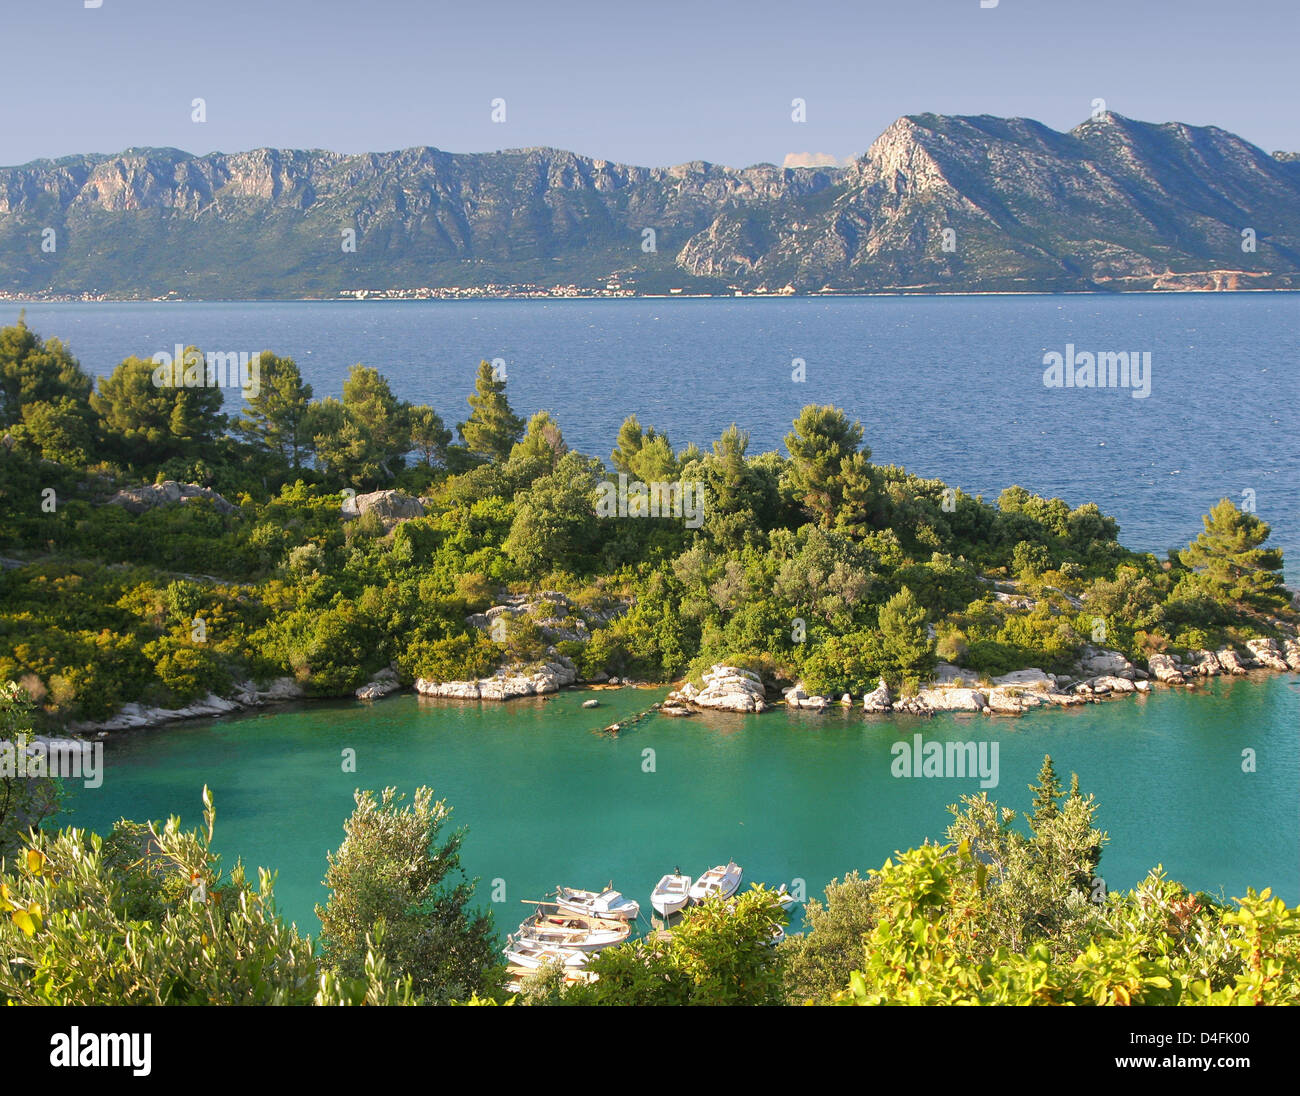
pixel 788 795
pixel 951 387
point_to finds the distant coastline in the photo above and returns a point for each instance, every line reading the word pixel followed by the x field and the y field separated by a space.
pixel 574 294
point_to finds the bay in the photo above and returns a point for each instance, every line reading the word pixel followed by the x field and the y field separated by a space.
pixel 788 795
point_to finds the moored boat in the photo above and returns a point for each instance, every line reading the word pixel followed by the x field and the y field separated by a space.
pixel 671 894
pixel 721 882
pixel 606 903
pixel 531 953
pixel 573 938
pixel 786 900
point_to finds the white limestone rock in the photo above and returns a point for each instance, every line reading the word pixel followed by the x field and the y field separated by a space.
pixel 1166 670
pixel 878 700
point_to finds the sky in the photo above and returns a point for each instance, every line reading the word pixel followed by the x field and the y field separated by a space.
pixel 653 83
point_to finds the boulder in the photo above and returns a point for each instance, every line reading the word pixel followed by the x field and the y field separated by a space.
pixel 953 700
pixel 1007 702
pixel 878 700
pixel 1110 683
pixel 797 697
pixel 1267 653
pixel 1230 661
pixel 1166 670
pixel 592 703
pixel 1205 664
pixel 391 506
pixel 376 689
pixel 726 689
pixel 1031 676
pixel 137 500
pixel 1096 661
pixel 506 684
pixel 913 705
pixel 1291 647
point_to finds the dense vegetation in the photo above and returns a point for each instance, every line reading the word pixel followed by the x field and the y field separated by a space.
pixel 814 563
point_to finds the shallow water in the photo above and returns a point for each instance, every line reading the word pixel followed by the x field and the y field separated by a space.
pixel 787 795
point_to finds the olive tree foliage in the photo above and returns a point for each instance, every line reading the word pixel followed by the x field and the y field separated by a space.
pixel 396 868
pixel 819 961
pixel 1156 945
pixel 147 916
pixel 25 800
pixel 720 953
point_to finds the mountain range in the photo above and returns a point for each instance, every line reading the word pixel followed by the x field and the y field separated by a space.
pixel 937 203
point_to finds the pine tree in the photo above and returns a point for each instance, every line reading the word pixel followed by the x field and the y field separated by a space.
pixel 630 440
pixel 275 419
pixel 543 442
pixel 1046 793
pixel 492 428
pixel 822 440
pixel 429 437
pixel 1229 561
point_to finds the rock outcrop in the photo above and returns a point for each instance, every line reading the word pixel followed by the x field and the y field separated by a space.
pixel 507 683
pixel 136 716
pixel 1230 661
pixel 726 689
pixel 953 699
pixel 878 700
pixel 137 500
pixel 390 506
pixel 380 685
pixel 1099 662
pixel 797 697
pixel 1268 654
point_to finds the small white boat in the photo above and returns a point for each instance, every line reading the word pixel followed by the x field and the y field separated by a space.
pixel 671 894
pixel 786 900
pixel 573 976
pixel 581 938
pixel 719 881
pixel 532 954
pixel 606 903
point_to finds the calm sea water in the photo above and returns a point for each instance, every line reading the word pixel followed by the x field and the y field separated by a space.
pixel 948 386
pixel 788 795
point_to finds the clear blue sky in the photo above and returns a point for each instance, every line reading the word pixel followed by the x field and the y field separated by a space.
pixel 654 82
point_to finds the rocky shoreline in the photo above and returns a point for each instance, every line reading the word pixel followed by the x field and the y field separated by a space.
pixel 1099 675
